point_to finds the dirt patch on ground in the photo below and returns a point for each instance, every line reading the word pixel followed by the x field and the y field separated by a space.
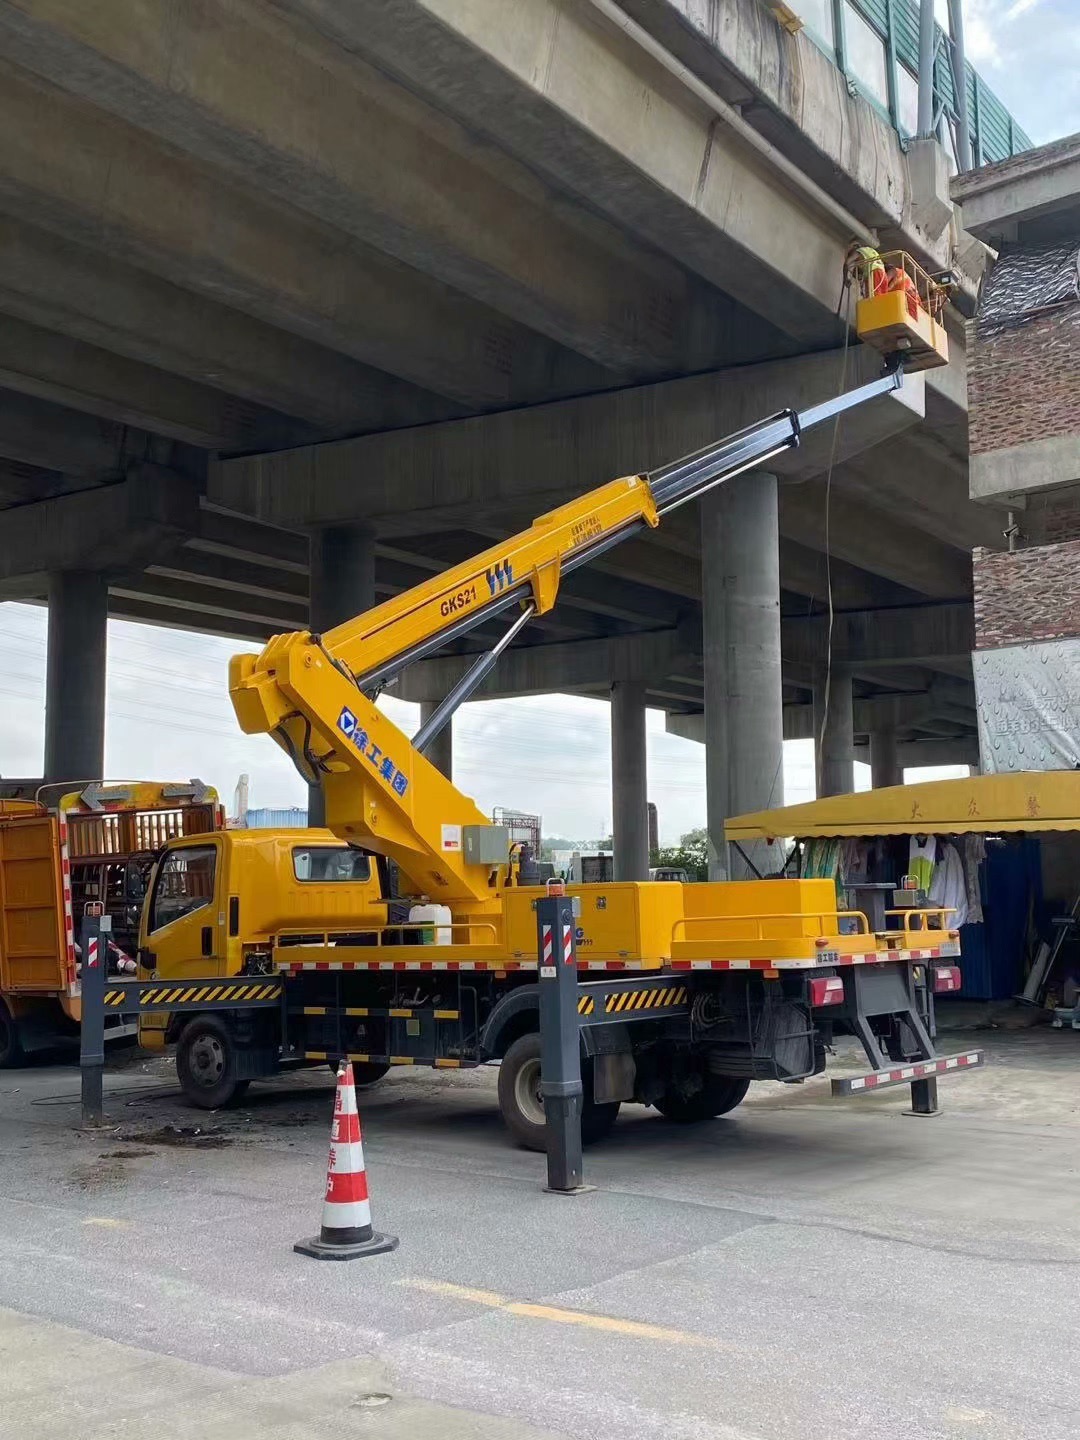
pixel 197 1137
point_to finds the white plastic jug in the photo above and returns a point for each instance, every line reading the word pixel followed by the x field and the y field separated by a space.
pixel 437 915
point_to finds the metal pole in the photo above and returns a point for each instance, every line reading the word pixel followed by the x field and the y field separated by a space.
pixel 476 672
pixel 927 50
pixel 94 939
pixel 560 1046
pixel 959 67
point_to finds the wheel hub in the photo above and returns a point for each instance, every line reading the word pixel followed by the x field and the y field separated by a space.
pixel 207 1060
pixel 527 1093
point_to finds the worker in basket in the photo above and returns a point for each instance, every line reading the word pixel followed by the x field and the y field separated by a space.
pixel 897 278
pixel 864 264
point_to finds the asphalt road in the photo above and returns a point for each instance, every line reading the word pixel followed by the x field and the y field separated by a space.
pixel 801 1270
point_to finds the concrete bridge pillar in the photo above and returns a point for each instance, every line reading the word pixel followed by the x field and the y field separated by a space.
pixel 885 767
pixel 342 565
pixel 836 757
pixel 629 781
pixel 744 725
pixel 441 750
pixel 75 676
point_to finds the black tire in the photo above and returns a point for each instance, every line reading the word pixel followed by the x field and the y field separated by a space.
pixel 521 1105
pixel 206 1064
pixel 718 1095
pixel 365 1072
pixel 11 1050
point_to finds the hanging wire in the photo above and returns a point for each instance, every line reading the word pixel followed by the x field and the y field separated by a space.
pixel 843 305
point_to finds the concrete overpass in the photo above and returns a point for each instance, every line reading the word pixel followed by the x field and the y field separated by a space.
pixel 304 301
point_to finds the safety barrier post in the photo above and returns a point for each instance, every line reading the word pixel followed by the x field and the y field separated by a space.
pixel 94 940
pixel 560 1053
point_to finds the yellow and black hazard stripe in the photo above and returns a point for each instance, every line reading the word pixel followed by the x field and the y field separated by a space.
pixel 586 1005
pixel 148 996
pixel 623 1001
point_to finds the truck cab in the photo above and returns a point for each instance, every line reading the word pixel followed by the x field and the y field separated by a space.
pixel 217 904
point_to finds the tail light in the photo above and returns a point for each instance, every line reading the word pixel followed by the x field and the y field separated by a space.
pixel 826 990
pixel 946 978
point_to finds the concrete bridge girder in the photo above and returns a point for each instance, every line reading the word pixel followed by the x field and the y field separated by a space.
pixel 421 189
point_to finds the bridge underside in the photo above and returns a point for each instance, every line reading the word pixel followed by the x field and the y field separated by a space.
pixel 423 267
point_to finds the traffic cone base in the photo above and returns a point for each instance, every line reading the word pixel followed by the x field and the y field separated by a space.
pixel 346 1232
pixel 319 1249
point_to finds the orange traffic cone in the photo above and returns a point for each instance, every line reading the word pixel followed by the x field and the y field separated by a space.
pixel 346 1230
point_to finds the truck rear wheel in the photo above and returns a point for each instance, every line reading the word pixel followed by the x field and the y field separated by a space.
pixel 11 1050
pixel 718 1095
pixel 522 1104
pixel 206 1064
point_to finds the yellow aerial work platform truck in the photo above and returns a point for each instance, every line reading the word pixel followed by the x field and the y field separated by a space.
pixel 58 854
pixel 423 948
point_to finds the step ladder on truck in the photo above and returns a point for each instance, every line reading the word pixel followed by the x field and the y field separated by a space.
pixel 428 954
pixel 60 851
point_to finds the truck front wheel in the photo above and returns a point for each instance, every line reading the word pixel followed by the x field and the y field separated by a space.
pixel 522 1104
pixel 206 1064
pixel 718 1094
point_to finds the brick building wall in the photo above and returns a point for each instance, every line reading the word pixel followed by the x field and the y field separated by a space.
pixel 1027 595
pixel 1024 381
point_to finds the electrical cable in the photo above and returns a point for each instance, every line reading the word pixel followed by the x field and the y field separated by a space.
pixel 845 293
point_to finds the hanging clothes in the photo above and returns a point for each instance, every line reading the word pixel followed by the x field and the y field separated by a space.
pixel 974 855
pixel 922 854
pixel 948 889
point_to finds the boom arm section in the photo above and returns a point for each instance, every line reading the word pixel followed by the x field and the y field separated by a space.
pixel 315 694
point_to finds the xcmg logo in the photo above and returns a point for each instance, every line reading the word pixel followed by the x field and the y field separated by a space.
pixel 500 576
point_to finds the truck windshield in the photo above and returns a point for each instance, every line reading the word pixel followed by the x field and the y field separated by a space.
pixel 330 863
pixel 185 883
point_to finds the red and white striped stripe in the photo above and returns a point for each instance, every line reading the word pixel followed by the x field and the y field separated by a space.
pixel 568 944
pixel 920 1070
pixel 73 985
pixel 346 1205
pixel 548 945
pixel 800 962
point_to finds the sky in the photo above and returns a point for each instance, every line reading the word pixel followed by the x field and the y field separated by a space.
pixel 1028 52
pixel 169 718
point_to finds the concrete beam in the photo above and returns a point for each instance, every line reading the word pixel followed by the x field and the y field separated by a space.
pixel 869 537
pixel 807 573
pixel 787 88
pixel 476 469
pixel 869 714
pixel 567 91
pixel 21 484
pixel 109 529
pixel 156 208
pixel 54 438
pixel 545 669
pixel 420 188
pixel 921 486
pixel 997 200
pixel 1020 470
pixel 919 635
pixel 53 283
pixel 66 371
pixel 961 750
pixel 885 637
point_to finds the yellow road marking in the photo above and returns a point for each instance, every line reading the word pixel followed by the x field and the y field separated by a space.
pixel 639 1329
pixel 106 1222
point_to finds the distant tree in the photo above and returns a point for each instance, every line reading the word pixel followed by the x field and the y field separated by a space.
pixel 691 854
